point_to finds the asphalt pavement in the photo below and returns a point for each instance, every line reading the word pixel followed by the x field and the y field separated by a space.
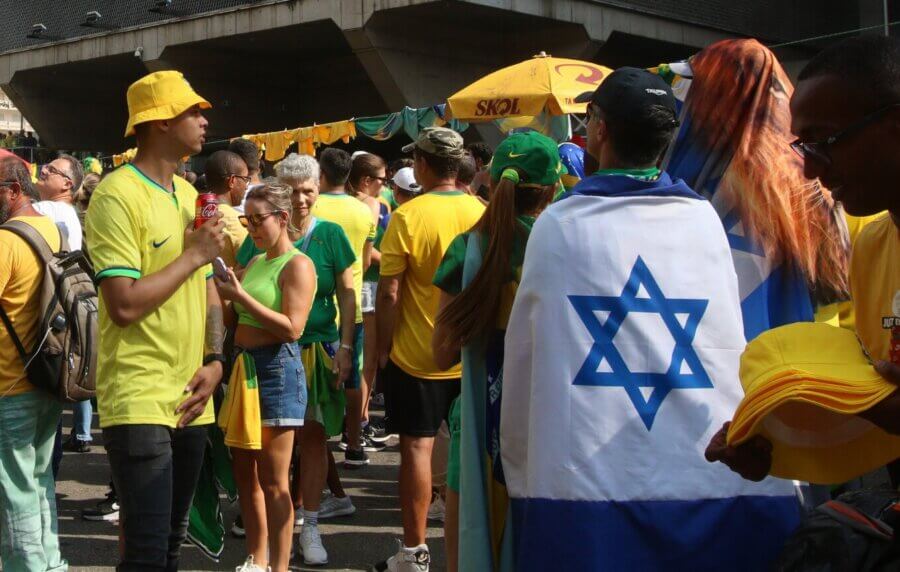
pixel 353 542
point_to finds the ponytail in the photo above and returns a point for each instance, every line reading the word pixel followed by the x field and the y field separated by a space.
pixel 474 311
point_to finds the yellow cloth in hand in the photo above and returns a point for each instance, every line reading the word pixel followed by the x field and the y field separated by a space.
pixel 240 417
pixel 804 385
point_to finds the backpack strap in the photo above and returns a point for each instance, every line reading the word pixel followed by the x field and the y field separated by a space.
pixel 35 239
pixel 38 243
pixel 12 333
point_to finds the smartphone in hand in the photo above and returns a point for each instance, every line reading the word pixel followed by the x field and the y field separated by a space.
pixel 220 270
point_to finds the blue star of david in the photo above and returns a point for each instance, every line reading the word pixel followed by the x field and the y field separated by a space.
pixel 604 348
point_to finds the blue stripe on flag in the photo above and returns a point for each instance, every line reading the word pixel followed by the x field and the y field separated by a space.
pixel 735 534
pixel 782 298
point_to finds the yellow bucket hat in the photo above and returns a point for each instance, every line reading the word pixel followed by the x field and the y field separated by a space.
pixel 804 384
pixel 158 96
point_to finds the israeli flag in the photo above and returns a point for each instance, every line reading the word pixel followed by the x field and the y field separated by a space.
pixel 622 356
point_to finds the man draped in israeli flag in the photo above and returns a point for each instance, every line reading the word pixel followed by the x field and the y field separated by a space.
pixel 622 356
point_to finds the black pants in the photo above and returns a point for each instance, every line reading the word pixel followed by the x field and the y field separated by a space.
pixel 155 471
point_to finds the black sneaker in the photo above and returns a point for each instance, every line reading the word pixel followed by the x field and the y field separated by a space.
pixel 371 446
pixel 75 445
pixel 106 510
pixel 237 529
pixel 375 432
pixel 355 459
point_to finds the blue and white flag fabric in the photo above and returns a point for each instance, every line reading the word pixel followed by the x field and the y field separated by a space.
pixel 622 356
pixel 787 238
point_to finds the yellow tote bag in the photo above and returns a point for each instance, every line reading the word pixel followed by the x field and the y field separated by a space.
pixel 240 417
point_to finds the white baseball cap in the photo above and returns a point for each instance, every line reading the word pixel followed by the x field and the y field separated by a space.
pixel 406 180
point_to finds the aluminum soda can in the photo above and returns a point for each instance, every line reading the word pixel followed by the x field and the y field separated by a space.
pixel 207 208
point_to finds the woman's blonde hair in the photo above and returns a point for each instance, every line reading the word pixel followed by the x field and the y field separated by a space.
pixel 278 195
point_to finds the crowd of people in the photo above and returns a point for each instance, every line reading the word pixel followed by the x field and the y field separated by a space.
pixel 480 295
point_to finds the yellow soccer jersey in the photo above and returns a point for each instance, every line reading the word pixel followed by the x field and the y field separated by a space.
pixel 419 234
pixel 135 228
pixel 356 220
pixel 875 285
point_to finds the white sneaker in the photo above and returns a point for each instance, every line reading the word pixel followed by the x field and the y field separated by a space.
pixel 332 506
pixel 249 566
pixel 298 517
pixel 310 546
pixel 418 560
pixel 436 509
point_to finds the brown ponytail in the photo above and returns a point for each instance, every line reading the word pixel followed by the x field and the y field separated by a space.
pixel 474 311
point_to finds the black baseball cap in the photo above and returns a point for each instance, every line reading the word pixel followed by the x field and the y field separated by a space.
pixel 628 91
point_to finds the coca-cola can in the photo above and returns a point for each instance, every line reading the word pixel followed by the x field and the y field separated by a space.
pixel 207 208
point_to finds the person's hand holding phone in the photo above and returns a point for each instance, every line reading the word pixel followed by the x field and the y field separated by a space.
pixel 227 282
pixel 220 270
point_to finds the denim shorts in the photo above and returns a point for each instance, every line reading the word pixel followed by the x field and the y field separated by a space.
pixel 282 384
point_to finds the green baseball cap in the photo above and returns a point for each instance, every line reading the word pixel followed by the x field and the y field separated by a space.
pixel 535 154
pixel 439 141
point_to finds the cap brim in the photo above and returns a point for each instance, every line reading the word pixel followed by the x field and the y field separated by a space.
pixel 408 148
pixel 585 97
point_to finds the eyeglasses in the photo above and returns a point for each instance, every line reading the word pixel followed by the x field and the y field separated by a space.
pixel 256 219
pixel 53 170
pixel 246 180
pixel 819 150
pixel 381 180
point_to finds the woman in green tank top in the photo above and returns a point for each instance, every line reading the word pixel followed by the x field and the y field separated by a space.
pixel 269 308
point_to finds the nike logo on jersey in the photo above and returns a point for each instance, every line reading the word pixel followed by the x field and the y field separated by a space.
pixel 162 242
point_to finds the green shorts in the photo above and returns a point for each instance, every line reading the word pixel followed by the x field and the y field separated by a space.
pixel 454 423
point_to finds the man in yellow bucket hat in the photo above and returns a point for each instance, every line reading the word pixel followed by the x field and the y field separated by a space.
pixel 161 332
pixel 846 114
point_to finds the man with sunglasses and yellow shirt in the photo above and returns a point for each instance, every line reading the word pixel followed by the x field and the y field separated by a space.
pixel 846 115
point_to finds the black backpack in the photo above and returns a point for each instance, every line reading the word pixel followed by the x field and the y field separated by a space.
pixel 853 533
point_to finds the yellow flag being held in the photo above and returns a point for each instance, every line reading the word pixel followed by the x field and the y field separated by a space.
pixel 240 417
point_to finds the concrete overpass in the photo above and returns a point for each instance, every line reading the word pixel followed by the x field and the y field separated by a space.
pixel 268 65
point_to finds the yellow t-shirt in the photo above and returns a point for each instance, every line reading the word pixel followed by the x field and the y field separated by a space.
pixel 235 233
pixel 21 275
pixel 414 243
pixel 840 314
pixel 356 219
pixel 875 285
pixel 136 228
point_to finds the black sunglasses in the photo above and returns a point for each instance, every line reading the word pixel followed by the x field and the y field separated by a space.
pixel 819 150
pixel 256 219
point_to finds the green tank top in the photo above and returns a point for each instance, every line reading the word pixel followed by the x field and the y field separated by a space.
pixel 261 283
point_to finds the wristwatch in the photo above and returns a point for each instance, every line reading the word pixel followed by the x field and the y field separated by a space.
pixel 209 358
pixel 347 347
